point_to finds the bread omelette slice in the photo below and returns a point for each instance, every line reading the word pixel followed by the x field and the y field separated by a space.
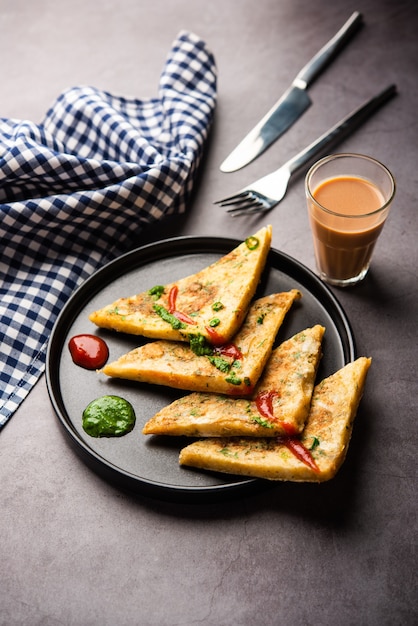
pixel 211 303
pixel 279 404
pixel 231 369
pixel 314 457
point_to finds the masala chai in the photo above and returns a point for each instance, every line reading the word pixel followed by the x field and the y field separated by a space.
pixel 347 212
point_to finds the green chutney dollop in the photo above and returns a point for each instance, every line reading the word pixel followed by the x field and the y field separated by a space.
pixel 108 416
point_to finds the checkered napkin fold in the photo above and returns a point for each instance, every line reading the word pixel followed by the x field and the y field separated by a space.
pixel 76 191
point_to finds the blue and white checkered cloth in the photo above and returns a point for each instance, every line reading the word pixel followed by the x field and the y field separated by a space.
pixel 76 190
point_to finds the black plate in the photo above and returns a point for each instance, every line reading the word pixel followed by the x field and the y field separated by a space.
pixel 149 465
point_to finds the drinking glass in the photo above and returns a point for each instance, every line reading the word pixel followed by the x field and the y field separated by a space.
pixel 349 197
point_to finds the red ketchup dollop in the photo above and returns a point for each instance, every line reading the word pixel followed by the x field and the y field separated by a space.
pixel 88 351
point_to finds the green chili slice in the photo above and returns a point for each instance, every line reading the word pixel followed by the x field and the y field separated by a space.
pixel 252 243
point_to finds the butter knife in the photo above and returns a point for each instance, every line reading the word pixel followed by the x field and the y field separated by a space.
pixel 292 104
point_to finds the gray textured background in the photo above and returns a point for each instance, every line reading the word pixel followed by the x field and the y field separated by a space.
pixel 76 551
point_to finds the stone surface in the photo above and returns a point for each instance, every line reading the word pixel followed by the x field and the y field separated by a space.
pixel 76 551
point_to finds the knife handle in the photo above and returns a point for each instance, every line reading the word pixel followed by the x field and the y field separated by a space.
pixel 312 69
pixel 341 130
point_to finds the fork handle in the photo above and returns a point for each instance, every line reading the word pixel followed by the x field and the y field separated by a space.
pixel 341 130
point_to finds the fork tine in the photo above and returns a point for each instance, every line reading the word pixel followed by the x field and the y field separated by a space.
pixel 255 206
pixel 256 202
pixel 244 207
pixel 237 202
pixel 240 212
pixel 241 196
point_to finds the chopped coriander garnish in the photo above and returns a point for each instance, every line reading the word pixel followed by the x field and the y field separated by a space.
pixel 215 321
pixel 168 317
pixel 233 379
pixel 220 363
pixel 227 452
pixel 217 306
pixel 262 422
pixel 156 291
pixel 199 345
pixel 315 443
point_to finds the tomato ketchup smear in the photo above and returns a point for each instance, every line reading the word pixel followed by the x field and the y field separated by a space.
pixel 215 338
pixel 300 451
pixel 229 349
pixel 172 299
pixel 224 349
pixel 264 403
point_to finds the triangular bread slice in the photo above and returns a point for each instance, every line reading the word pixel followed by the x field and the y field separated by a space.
pixel 211 303
pixel 324 441
pixel 233 369
pixel 285 389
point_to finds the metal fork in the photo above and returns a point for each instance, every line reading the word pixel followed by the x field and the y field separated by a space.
pixel 263 194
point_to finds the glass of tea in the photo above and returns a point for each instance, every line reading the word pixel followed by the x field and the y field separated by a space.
pixel 349 198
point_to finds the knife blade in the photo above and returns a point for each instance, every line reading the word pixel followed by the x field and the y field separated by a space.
pixel 292 104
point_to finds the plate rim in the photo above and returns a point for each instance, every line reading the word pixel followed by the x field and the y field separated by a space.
pixel 164 249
